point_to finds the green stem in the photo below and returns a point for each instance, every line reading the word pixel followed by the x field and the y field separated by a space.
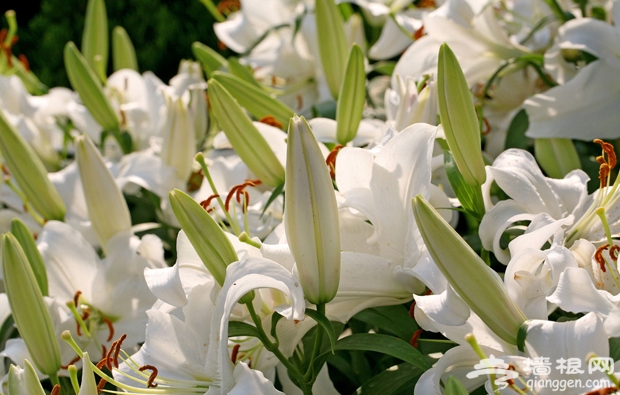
pixel 310 375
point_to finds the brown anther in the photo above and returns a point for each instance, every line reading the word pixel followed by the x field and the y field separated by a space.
pixel 412 309
pixel 85 314
pixel 603 391
pixel 195 180
pixel 228 6
pixel 331 160
pixel 608 149
pixel 112 357
pixel 104 350
pixel 271 121
pixel 76 298
pixel 118 349
pixel 234 353
pixel 110 329
pixel 487 126
pixel 598 257
pixel 238 191
pixel 100 385
pixel 55 390
pixel 221 46
pixel 24 61
pixel 153 369
pixel 73 361
pixel 206 203
pixel 5 171
pixel 418 33
pixel 607 161
pixel 300 102
pixel 603 173
pixel 426 4
pixel 3 34
pixel 415 337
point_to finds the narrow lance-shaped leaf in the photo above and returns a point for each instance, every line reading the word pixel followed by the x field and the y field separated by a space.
pixel 209 59
pixel 458 117
pixel 257 101
pixel 95 36
pixel 106 205
pixel 123 52
pixel 85 82
pixel 29 172
pixel 245 138
pixel 467 273
pixel 352 97
pixel 29 245
pixel 28 307
pixel 311 215
pixel 332 41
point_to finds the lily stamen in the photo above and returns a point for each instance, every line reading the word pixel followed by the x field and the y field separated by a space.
pixel 271 121
pixel 153 369
pixel 238 191
pixel 234 353
pixel 110 328
pixel 331 160
pixel 207 202
pixel 55 390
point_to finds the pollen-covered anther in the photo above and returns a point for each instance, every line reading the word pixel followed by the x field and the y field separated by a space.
pixel 598 257
pixel 24 61
pixel 607 161
pixel 271 121
pixel 55 390
pixel 487 126
pixel 235 353
pixel 100 385
pixel 228 6
pixel 76 298
pixel 415 337
pixel 111 359
pixel 331 161
pixel 238 191
pixel 603 391
pixel 150 383
pixel 5 171
pixel 206 203
pixel 110 328
pixel 418 33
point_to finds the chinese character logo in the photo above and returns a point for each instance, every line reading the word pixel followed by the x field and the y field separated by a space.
pixel 497 367
pixel 600 364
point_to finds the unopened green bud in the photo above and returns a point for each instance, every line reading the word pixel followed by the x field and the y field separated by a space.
pixel 29 245
pixel 257 101
pixel 311 215
pixel 332 41
pixel 351 98
pixel 123 52
pixel 85 82
pixel 467 273
pixel 209 59
pixel 29 172
pixel 106 205
pixel 179 147
pixel 198 110
pixel 28 307
pixel 245 138
pixel 458 118
pixel 557 156
pixel 209 240
pixel 24 381
pixel 95 36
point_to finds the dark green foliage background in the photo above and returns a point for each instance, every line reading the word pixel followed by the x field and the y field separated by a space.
pixel 162 32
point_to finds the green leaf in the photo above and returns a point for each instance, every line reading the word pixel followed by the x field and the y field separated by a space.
pixel 275 318
pixel 455 387
pixel 209 59
pixel 384 67
pixel 516 131
pixel 400 379
pixel 469 196
pixel 392 319
pixel 384 344
pixel 277 191
pixel 614 348
pixel 238 328
pixel 256 100
pixel 325 324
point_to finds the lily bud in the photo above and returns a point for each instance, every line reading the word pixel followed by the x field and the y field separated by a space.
pixel 179 148
pixel 557 157
pixel 209 59
pixel 351 98
pixel 245 138
pixel 311 215
pixel 106 205
pixel 123 52
pixel 29 172
pixel 28 307
pixel 256 100
pixel 24 381
pixel 209 240
pixel 332 41
pixel 88 386
pixel 95 36
pixel 458 117
pixel 198 110
pixel 29 245
pixel 467 273
pixel 85 82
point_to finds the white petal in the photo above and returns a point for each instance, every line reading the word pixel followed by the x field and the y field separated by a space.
pixel 576 293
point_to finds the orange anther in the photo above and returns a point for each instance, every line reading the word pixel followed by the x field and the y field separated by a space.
pixel 55 390
pixel 418 33
pixel 598 257
pixel 271 121
pixel 234 353
pixel 110 328
pixel 152 377
pixel 331 161
pixel 414 338
pixel 206 203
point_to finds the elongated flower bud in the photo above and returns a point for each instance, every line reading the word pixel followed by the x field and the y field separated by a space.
pixel 106 205
pixel 24 381
pixel 123 52
pixel 209 58
pixel 209 240
pixel 29 172
pixel 458 118
pixel 85 82
pixel 467 273
pixel 332 43
pixel 29 245
pixel 95 36
pixel 311 215
pixel 556 156
pixel 28 307
pixel 179 147
pixel 352 97
pixel 247 141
